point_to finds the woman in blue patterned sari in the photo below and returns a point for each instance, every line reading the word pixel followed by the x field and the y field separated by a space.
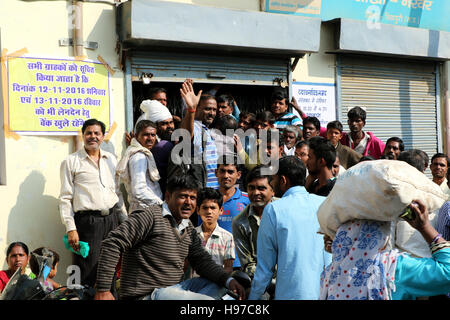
pixel 363 270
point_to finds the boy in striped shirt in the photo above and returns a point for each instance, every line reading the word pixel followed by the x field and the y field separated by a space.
pixel 279 108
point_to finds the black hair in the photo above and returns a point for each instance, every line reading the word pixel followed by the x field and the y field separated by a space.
pixel 185 182
pixel 366 158
pixel 155 90
pixel 93 122
pixel 357 112
pixel 400 142
pixel 225 122
pixel 323 149
pixel 314 121
pixel 300 144
pixel 440 155
pixel 15 244
pixel 230 160
pixel 226 98
pixel 279 95
pixel 425 157
pixel 34 264
pixel 293 169
pixel 245 114
pixel 142 124
pixel 413 157
pixel 209 194
pixel 265 116
pixel 256 173
pixel 205 97
pixel 335 125
pixel 387 157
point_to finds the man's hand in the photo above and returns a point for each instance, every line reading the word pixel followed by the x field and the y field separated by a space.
pixel 296 106
pixel 128 137
pixel 73 239
pixel 236 287
pixel 421 222
pixel 237 143
pixel 188 95
pixel 420 211
pixel 104 295
pixel 328 242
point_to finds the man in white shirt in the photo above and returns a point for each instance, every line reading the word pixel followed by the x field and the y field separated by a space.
pixel 137 169
pixel 439 168
pixel 91 203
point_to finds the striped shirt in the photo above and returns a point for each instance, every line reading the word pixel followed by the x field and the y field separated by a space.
pixel 443 221
pixel 287 119
pixel 220 245
pixel 153 254
pixel 209 155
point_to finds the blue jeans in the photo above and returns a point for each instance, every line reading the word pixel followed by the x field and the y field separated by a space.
pixel 192 289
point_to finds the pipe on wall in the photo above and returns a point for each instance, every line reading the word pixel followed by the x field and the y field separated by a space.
pixel 77 38
pixel 446 105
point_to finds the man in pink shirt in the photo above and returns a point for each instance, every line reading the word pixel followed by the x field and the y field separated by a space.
pixel 363 142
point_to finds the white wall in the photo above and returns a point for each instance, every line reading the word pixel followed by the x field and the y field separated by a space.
pixel 29 200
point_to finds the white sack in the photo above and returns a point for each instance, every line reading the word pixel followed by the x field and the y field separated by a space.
pixel 376 190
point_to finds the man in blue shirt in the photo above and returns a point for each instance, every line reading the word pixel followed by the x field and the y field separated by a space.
pixel 234 200
pixel 288 238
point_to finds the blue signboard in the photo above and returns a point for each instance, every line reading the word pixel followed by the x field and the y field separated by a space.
pixel 425 14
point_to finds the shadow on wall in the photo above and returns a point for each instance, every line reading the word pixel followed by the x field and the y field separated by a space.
pixel 35 219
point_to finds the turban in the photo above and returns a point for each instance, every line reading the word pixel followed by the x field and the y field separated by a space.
pixel 154 111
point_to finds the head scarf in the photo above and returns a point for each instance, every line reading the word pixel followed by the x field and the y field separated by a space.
pixel 154 111
pixel 360 271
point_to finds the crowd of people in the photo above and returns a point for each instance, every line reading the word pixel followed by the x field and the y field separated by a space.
pixel 186 228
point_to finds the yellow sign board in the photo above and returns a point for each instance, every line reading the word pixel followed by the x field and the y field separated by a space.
pixel 56 96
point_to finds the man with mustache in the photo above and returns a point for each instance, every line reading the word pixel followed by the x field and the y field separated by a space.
pixel 311 127
pixel 154 243
pixel 246 224
pixel 394 146
pixel 90 201
pixel 137 169
pixel 200 113
pixel 439 168
pixel 157 112
pixel 165 126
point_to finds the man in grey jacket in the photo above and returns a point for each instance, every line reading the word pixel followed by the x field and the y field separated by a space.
pixel 246 224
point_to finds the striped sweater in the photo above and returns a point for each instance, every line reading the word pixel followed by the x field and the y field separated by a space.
pixel 153 254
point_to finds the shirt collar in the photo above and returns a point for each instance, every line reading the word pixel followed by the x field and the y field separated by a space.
pixel 296 189
pixel 84 154
pixel 216 233
pixel 166 212
pixel 251 213
pixel 237 194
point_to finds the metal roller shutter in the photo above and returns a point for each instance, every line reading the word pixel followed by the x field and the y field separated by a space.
pixel 176 67
pixel 399 97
